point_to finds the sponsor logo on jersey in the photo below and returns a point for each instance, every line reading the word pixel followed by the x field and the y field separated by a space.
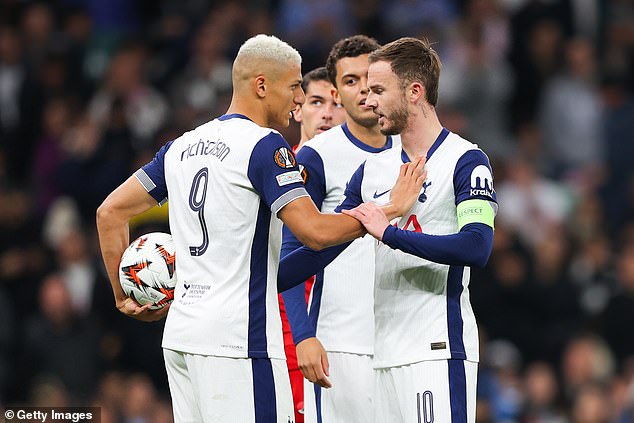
pixel 194 292
pixel 288 178
pixel 423 195
pixel 377 195
pixel 284 158
pixel 481 181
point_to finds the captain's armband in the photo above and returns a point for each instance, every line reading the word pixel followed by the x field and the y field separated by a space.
pixel 476 211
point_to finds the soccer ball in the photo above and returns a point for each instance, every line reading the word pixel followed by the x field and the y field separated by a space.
pixel 147 272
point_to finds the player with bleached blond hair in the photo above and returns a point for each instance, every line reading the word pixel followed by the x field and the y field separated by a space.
pixel 231 182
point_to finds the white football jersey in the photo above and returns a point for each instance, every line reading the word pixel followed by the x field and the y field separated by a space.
pixel 342 299
pixel 226 181
pixel 422 309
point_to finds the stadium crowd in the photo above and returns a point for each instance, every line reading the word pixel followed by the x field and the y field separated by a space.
pixel 89 90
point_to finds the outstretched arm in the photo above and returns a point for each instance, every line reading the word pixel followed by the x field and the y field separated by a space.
pixel 321 230
pixel 125 202
pixel 471 246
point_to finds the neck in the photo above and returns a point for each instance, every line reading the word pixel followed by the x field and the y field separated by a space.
pixel 421 132
pixel 249 108
pixel 303 136
pixel 371 136
pixel 301 143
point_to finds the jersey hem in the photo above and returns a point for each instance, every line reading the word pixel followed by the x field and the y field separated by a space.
pixel 348 350
pixel 206 352
pixel 378 364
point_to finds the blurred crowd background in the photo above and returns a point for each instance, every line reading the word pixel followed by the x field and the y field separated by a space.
pixel 90 89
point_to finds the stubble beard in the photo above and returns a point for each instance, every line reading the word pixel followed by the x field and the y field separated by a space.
pixel 399 120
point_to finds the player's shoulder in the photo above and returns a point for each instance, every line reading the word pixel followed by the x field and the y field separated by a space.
pixel 327 141
pixel 395 153
pixel 458 144
pixel 471 152
pixel 456 149
pixel 470 161
pixel 245 129
pixel 384 160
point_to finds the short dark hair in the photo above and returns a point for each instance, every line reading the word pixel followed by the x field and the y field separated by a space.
pixel 412 60
pixel 348 47
pixel 317 74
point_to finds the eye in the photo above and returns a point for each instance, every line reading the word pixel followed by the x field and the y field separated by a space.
pixel 316 102
pixel 350 81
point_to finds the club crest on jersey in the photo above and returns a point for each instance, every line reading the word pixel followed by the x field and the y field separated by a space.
pixel 481 181
pixel 423 195
pixel 284 158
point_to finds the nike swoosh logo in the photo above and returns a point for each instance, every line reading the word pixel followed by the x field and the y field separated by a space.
pixel 375 195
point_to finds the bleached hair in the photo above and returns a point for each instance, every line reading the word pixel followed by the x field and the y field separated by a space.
pixel 268 47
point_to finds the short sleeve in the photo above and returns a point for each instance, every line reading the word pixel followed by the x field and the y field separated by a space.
pixel 352 195
pixel 152 175
pixel 473 178
pixel 311 168
pixel 274 173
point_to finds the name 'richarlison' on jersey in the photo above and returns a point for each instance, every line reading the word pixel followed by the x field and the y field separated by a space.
pixel 206 147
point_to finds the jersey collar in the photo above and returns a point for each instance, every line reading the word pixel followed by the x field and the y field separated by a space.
pixel 434 146
pixel 233 116
pixel 363 146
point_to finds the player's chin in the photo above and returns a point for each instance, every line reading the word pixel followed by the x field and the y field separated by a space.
pixel 388 130
pixel 384 126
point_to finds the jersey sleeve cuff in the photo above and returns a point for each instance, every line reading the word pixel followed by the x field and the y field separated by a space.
pixel 302 336
pixel 389 235
pixel 287 197
pixel 149 185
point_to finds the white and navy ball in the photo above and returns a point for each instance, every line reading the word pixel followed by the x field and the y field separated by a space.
pixel 147 272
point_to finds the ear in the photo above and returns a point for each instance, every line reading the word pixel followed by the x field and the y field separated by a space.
pixel 260 86
pixel 335 95
pixel 297 114
pixel 416 92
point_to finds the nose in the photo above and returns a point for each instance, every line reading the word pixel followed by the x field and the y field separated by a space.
pixel 364 85
pixel 371 100
pixel 300 96
pixel 329 111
